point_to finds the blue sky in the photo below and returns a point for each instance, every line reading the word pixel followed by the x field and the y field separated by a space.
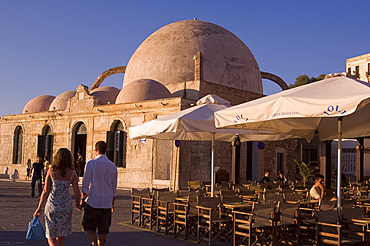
pixel 48 47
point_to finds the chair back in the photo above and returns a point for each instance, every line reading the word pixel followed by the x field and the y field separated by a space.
pixel 194 185
pixel 262 213
pixel 228 192
pixel 142 192
pixel 210 202
pixel 167 196
pixel 352 213
pixel 325 205
pixel 287 213
pixel 292 196
pixel 327 216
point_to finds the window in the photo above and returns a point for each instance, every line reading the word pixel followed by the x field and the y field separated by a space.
pixel 17 145
pixel 349 71
pixel 280 162
pixel 116 144
pixel 357 71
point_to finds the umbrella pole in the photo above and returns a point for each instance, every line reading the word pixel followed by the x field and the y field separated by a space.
pixel 339 168
pixel 213 165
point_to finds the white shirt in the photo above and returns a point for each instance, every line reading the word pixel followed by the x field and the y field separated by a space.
pixel 100 182
pixel 315 192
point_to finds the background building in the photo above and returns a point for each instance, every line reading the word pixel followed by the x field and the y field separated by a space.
pixel 175 66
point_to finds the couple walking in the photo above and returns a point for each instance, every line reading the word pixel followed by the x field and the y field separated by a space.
pixel 97 196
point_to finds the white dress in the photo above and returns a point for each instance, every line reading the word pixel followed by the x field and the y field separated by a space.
pixel 58 209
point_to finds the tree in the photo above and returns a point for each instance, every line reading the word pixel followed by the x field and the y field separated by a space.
pixel 304 79
pixel 305 171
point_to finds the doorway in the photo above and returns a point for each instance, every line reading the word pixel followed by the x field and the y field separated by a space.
pixel 79 136
pixel 45 144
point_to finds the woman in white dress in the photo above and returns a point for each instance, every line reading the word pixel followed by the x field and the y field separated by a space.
pixel 58 207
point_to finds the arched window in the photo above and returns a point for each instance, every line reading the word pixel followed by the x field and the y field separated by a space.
pixel 116 144
pixel 17 145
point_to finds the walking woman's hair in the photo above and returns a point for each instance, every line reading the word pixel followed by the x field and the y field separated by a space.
pixel 62 161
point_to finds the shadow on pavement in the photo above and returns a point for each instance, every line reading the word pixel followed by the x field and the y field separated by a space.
pixel 79 239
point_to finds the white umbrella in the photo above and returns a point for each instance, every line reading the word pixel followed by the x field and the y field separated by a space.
pixel 333 108
pixel 197 124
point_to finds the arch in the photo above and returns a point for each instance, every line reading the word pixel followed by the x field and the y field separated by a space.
pixel 117 144
pixel 46 130
pixel 17 145
pixel 275 79
pixel 106 74
pixel 79 136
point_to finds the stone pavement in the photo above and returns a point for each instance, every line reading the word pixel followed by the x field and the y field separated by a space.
pixel 17 207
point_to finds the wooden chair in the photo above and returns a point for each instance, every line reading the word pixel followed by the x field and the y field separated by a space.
pixel 185 215
pixel 210 225
pixel 194 185
pixel 136 204
pixel 256 228
pixel 165 210
pixel 287 226
pixel 330 232
pixel 148 211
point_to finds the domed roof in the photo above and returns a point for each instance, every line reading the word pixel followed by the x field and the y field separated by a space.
pixel 105 94
pixel 167 56
pixel 60 102
pixel 141 90
pixel 38 104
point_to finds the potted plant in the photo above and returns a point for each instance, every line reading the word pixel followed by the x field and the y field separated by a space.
pixel 305 171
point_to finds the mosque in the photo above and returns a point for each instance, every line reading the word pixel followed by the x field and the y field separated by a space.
pixel 173 68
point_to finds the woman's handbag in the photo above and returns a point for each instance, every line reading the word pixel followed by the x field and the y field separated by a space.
pixel 35 230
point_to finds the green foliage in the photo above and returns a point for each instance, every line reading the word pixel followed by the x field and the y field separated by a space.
pixel 305 170
pixel 304 79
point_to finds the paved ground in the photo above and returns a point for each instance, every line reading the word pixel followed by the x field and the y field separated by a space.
pixel 17 207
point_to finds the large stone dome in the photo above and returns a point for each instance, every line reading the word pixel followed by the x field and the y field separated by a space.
pixel 60 102
pixel 167 56
pixel 141 90
pixel 38 104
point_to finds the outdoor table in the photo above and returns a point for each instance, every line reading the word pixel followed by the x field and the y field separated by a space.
pixel 308 203
pixel 250 198
pixel 361 201
pixel 238 205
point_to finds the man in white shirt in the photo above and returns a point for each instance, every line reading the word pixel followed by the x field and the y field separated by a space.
pixel 317 190
pixel 99 186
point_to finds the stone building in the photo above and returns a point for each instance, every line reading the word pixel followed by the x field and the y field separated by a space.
pixel 175 66
pixel 359 66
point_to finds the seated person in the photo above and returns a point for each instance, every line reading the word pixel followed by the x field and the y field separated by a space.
pixel 281 177
pixel 317 190
pixel 266 178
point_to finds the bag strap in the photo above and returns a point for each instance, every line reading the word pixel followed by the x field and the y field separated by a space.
pixel 71 175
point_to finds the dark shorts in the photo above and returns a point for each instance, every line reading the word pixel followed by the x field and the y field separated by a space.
pixel 96 218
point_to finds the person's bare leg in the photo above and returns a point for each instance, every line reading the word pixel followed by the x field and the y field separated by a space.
pixel 91 236
pixel 60 241
pixel 53 242
pixel 102 239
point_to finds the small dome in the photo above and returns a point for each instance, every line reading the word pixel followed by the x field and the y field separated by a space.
pixel 38 104
pixel 167 56
pixel 141 90
pixel 105 94
pixel 60 102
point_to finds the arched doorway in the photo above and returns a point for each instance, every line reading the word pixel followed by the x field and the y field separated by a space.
pixel 79 146
pixel 45 144
pixel 116 144
pixel 17 145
